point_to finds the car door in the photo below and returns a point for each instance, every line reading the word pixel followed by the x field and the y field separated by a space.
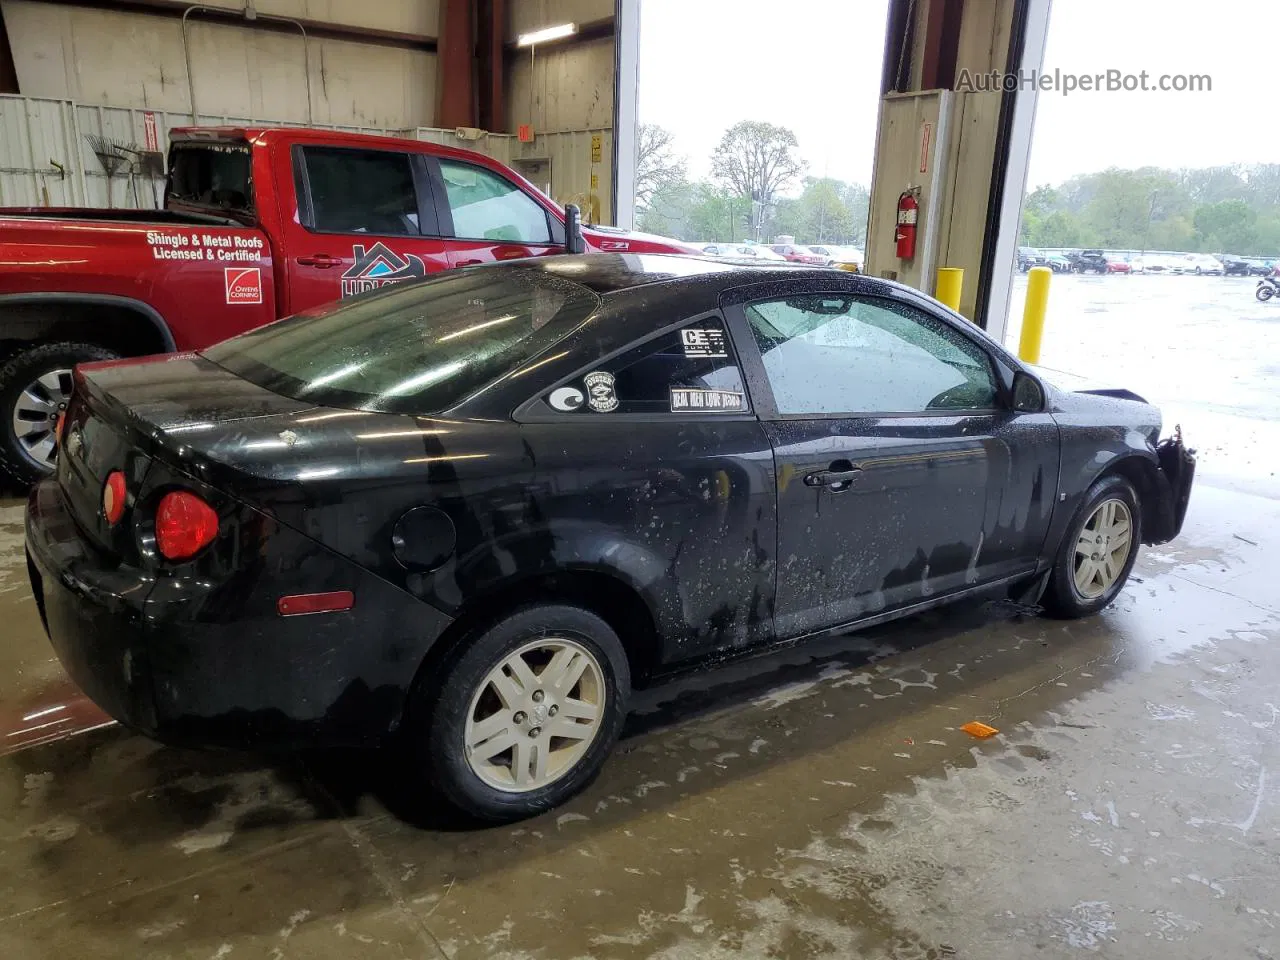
pixel 892 451
pixel 488 217
pixel 365 218
pixel 656 444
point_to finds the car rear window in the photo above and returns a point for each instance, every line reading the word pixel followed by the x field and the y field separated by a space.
pixel 415 348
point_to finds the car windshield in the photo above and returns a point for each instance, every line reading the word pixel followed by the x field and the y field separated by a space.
pixel 415 348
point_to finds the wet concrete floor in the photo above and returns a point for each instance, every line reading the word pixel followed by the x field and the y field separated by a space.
pixel 817 803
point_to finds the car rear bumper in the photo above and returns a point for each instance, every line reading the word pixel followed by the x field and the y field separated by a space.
pixel 207 665
pixel 92 611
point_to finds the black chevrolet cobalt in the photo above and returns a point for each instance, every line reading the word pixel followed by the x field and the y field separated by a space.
pixel 466 516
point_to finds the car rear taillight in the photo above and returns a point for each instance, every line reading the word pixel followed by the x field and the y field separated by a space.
pixel 185 525
pixel 113 497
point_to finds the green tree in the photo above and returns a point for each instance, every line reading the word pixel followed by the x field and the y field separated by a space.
pixel 657 165
pixel 1226 225
pixel 757 160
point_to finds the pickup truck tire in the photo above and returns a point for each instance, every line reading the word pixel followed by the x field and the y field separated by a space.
pixel 34 388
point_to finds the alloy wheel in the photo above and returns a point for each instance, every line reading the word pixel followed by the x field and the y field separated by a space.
pixel 35 416
pixel 535 715
pixel 1102 549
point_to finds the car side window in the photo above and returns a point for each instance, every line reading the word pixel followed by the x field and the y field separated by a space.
pixel 487 207
pixel 361 191
pixel 841 354
pixel 690 370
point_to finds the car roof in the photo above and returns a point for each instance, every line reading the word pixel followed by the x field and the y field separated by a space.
pixel 606 273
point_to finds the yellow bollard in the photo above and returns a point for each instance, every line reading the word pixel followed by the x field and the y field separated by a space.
pixel 950 281
pixel 1033 314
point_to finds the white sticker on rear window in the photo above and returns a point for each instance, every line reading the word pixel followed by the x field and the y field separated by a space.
pixel 601 397
pixel 566 399
pixel 720 401
pixel 703 342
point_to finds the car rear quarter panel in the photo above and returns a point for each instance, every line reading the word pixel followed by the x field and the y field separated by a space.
pixel 682 513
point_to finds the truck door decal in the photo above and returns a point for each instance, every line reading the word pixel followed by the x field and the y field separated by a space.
pixel 377 266
pixel 244 284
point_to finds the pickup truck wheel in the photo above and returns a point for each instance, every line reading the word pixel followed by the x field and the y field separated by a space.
pixel 35 386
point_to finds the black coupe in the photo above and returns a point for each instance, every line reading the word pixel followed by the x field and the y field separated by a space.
pixel 467 515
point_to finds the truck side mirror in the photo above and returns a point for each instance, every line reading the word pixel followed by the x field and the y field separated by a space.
pixel 573 242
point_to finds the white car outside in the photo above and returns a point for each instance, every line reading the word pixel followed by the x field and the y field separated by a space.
pixel 1199 263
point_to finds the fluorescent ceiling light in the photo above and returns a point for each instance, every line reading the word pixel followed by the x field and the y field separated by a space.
pixel 548 33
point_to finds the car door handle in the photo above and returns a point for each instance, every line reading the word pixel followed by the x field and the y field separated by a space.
pixel 832 478
pixel 320 260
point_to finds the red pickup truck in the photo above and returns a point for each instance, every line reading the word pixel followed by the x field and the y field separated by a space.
pixel 257 224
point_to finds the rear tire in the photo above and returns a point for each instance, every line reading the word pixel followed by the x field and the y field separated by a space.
pixel 1082 583
pixel 463 711
pixel 34 388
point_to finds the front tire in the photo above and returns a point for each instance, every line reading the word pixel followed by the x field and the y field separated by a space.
pixel 1098 551
pixel 524 714
pixel 35 386
pixel 1264 294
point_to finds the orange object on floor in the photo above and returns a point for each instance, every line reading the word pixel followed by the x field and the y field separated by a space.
pixel 979 730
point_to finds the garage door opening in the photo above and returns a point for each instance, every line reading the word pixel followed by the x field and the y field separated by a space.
pixel 1158 239
pixel 756 132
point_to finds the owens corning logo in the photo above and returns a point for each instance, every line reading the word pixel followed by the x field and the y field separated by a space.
pixel 378 266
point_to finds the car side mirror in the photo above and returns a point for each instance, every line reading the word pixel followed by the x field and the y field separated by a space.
pixel 573 240
pixel 1028 395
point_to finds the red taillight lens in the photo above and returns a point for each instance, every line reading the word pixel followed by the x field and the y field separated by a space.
pixel 185 525
pixel 113 497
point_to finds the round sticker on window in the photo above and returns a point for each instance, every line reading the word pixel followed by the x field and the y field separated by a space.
pixel 566 399
pixel 600 393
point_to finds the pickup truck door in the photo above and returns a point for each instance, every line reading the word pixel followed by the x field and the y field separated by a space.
pixel 365 217
pixel 488 217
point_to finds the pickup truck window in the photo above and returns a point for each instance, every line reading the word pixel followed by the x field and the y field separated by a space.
pixel 361 191
pixel 213 175
pixel 487 207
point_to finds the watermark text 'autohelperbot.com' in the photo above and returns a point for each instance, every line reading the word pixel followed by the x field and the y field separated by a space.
pixel 1065 83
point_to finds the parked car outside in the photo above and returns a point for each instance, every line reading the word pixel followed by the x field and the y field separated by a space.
pixel 845 258
pixel 1057 263
pixel 1029 257
pixel 1233 266
pixel 1157 263
pixel 1202 263
pixel 1088 261
pixel 569 475
pixel 796 253
pixel 743 251
pixel 1118 265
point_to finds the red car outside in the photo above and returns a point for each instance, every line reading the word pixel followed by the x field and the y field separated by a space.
pixel 1116 265
pixel 798 254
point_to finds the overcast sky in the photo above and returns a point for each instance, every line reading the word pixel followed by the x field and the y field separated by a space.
pixel 814 66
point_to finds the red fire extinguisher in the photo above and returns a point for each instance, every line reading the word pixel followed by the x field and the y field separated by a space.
pixel 905 235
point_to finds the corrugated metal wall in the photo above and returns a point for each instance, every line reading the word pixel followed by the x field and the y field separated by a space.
pixel 46 160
